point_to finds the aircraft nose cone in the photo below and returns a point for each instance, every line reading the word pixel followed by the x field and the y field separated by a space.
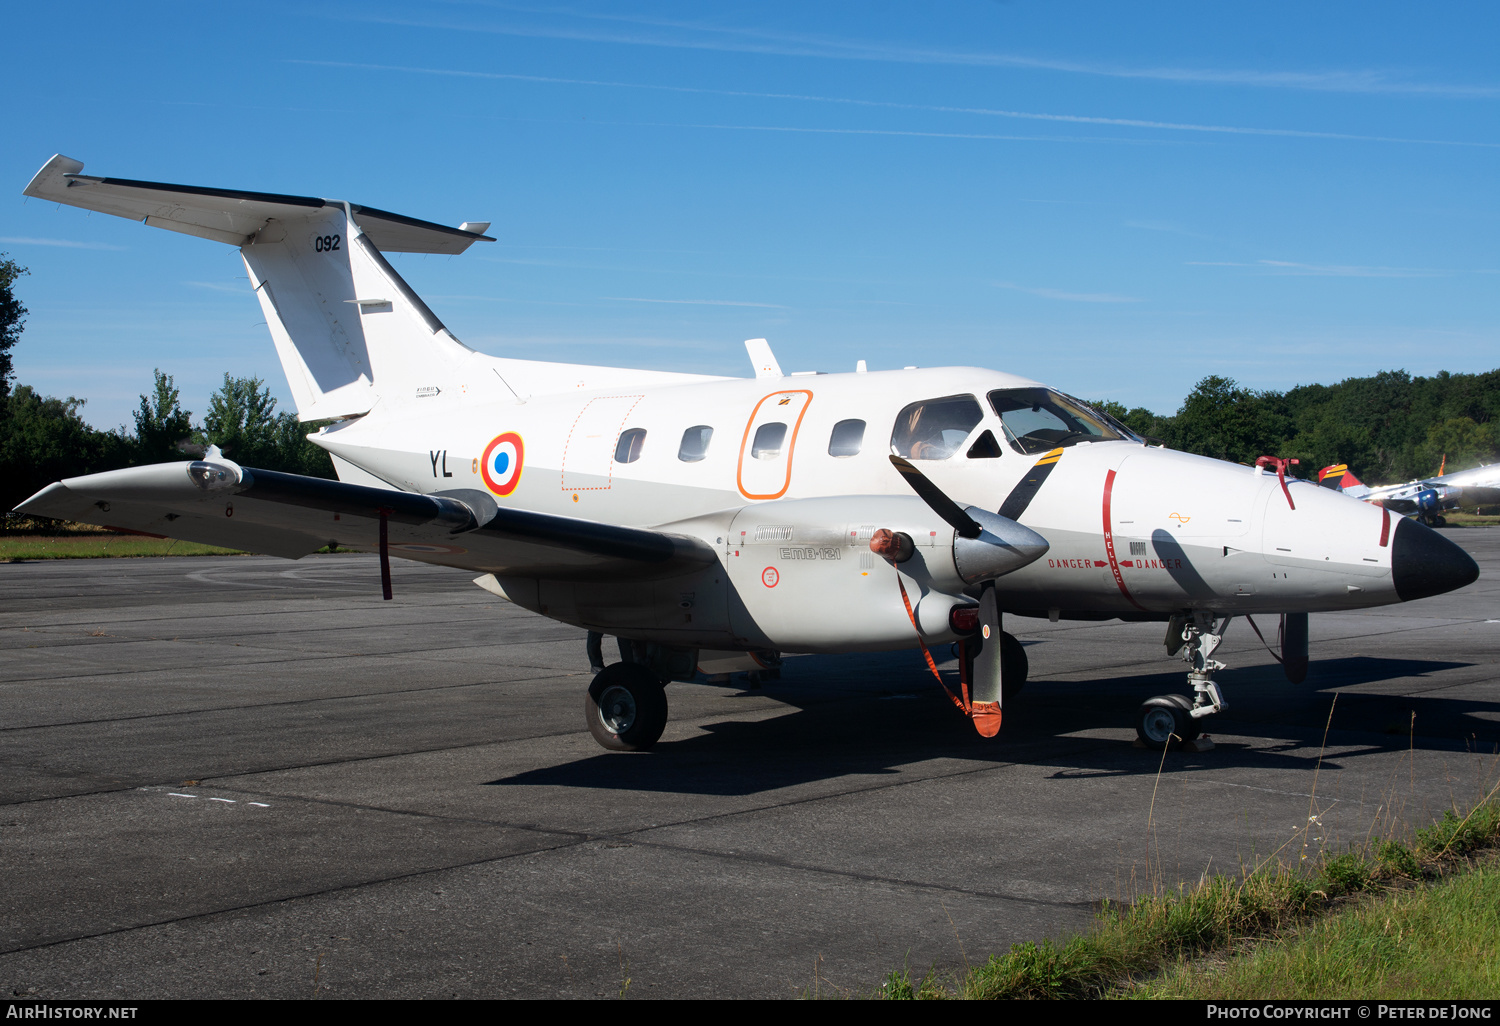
pixel 1425 563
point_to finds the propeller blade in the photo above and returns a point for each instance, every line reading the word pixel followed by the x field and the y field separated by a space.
pixel 943 506
pixel 987 679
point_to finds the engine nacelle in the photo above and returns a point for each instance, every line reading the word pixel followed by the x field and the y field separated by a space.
pixel 803 577
pixel 798 575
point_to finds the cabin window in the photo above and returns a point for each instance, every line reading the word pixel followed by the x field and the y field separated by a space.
pixel 847 438
pixel 628 448
pixel 1039 420
pixel 934 428
pixel 694 445
pixel 768 439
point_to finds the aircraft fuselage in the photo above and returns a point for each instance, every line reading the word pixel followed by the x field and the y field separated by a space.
pixel 1134 531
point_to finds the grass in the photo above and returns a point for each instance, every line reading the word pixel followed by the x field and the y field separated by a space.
pixel 1457 519
pixel 1384 901
pixel 1433 941
pixel 78 545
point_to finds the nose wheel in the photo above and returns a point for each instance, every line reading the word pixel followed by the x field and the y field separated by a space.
pixel 1165 719
pixel 626 708
pixel 1174 719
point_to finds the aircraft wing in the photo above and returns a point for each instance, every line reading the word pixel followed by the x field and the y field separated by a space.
pixel 221 503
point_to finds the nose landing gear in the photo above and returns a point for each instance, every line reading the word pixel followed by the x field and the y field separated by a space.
pixel 1166 718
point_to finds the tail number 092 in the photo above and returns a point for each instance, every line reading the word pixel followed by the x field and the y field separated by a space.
pixel 326 243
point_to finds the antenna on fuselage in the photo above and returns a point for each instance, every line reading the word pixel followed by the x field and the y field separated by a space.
pixel 762 359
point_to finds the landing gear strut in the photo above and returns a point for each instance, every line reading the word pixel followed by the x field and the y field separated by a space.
pixel 1164 718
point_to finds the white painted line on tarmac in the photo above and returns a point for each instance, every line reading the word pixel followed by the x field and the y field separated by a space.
pixel 210 576
pixel 1269 790
pixel 226 801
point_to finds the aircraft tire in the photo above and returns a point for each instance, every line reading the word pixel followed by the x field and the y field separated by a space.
pixel 626 708
pixel 1014 666
pixel 1160 717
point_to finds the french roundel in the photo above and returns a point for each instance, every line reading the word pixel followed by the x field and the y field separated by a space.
pixel 501 463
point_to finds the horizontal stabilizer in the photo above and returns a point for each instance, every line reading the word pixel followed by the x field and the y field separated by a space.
pixel 232 216
pixel 221 503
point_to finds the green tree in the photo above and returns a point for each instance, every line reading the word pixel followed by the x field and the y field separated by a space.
pixel 243 422
pixel 161 423
pixel 1140 420
pixel 45 440
pixel 1222 420
pixel 295 454
pixel 12 320
pixel 1462 442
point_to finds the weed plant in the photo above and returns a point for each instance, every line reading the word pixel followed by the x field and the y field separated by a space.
pixel 1131 942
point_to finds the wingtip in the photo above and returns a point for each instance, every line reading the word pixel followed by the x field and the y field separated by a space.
pixel 56 167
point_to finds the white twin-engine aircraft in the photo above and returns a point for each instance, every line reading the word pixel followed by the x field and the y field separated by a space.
pixel 711 523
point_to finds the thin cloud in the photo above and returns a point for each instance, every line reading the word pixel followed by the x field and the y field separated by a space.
pixel 745 40
pixel 473 299
pixel 1289 268
pixel 219 286
pixel 1070 297
pixel 1073 119
pixel 693 302
pixel 526 342
pixel 19 240
pixel 981 136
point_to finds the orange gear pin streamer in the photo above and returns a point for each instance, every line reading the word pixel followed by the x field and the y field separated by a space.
pixel 962 703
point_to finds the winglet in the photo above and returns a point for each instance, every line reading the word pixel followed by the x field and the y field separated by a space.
pixel 762 358
pixel 51 182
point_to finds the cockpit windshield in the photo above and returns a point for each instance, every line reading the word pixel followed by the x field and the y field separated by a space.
pixel 1039 419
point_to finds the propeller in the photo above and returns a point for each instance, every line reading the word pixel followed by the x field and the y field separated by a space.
pixel 931 494
pixel 987 676
pixel 985 545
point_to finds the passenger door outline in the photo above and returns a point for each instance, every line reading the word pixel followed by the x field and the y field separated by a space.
pixel 762 469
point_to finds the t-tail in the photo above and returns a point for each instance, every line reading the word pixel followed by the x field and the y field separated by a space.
pixel 349 330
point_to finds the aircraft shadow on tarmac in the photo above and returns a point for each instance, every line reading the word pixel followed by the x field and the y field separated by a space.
pixel 873 718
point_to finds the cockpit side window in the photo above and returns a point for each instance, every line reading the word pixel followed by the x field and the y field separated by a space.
pixel 1039 419
pixel 935 428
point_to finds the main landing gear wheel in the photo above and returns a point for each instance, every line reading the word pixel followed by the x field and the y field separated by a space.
pixel 1014 666
pixel 626 708
pixel 1162 717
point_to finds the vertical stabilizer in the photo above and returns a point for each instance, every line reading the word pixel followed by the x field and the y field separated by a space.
pixel 349 331
pixel 347 327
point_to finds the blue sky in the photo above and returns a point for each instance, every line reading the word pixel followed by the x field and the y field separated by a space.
pixel 1116 199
